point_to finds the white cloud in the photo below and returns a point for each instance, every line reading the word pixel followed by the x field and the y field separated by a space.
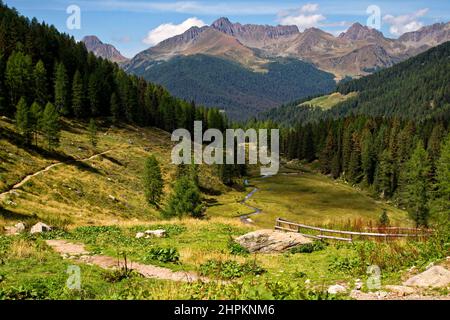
pixel 405 23
pixel 304 17
pixel 169 30
pixel 310 7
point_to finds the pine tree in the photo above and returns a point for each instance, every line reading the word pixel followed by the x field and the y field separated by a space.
pixel 36 119
pixel 40 83
pixel 184 200
pixel 50 126
pixel 23 120
pixel 441 201
pixel 367 157
pixel 354 166
pixel 18 76
pixel 115 108
pixel 61 90
pixel 415 181
pixel 3 98
pixel 77 95
pixel 94 95
pixel 153 182
pixel 384 219
pixel 384 174
pixel 92 128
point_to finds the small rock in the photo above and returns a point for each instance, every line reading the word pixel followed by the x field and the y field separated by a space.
pixel 336 289
pixel 400 290
pixel 20 227
pixel 160 233
pixel 140 235
pixel 39 228
pixel 358 284
pixel 307 281
pixel 381 294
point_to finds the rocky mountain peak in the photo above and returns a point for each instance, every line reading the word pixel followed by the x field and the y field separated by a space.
pixel 359 32
pixel 106 51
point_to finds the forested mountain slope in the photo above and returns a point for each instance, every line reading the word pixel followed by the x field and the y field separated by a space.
pixel 42 65
pixel 241 92
pixel 415 89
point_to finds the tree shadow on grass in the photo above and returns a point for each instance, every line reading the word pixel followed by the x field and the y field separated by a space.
pixel 14 216
pixel 17 140
pixel 113 160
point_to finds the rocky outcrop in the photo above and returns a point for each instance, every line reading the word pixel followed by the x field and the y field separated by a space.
pixel 269 241
pixel 436 277
pixel 100 49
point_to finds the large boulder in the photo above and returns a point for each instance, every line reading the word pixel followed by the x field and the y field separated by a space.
pixel 269 241
pixel 39 228
pixel 435 277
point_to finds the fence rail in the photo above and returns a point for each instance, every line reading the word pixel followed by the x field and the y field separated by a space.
pixel 322 233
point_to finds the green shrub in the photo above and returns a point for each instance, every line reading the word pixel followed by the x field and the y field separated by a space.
pixel 236 249
pixel 345 264
pixel 164 255
pixel 309 247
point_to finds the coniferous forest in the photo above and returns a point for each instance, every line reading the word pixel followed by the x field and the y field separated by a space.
pixel 41 66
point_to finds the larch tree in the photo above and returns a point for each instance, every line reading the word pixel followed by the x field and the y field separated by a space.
pixel 40 83
pixel 416 185
pixel 50 126
pixel 23 121
pixel 61 90
pixel 77 95
pixel 153 181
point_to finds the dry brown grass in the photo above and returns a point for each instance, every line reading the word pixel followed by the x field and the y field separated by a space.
pixel 27 249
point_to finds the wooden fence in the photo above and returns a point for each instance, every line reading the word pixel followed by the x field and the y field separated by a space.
pixel 349 236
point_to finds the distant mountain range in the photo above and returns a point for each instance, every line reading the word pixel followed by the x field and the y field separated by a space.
pixel 100 49
pixel 257 49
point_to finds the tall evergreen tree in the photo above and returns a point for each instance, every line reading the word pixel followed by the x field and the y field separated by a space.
pixel 61 90
pixel 115 108
pixel 23 120
pixel 92 128
pixel 153 181
pixel 77 95
pixel 40 83
pixel 18 76
pixel 50 126
pixel 441 201
pixel 36 119
pixel 184 200
pixel 416 179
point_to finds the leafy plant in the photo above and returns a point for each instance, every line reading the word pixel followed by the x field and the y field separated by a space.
pixel 164 255
pixel 309 247
pixel 236 249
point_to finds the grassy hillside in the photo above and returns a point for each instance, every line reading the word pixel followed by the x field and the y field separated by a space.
pixel 328 101
pixel 106 189
pixel 217 82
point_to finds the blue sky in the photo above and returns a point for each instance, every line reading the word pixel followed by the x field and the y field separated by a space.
pixel 135 25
